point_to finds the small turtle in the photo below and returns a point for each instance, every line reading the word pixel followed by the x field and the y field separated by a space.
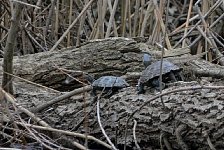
pixel 150 76
pixel 110 84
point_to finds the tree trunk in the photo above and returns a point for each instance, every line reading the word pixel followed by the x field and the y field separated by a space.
pixel 9 49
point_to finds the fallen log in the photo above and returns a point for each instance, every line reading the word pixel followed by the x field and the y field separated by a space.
pixel 113 56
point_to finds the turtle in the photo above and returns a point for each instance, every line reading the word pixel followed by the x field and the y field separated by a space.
pixel 150 76
pixel 109 84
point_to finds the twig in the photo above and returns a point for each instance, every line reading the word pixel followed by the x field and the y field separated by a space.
pixel 205 16
pixel 5 135
pixel 71 26
pixel 101 127
pixel 124 9
pixel 212 42
pixel 180 140
pixel 100 27
pixel 111 20
pixel 30 82
pixel 69 23
pixel 48 140
pixel 148 13
pixel 48 21
pixel 10 148
pixel 34 136
pixel 211 26
pixel 78 145
pixel 217 40
pixel 60 98
pixel 162 25
pixel 177 30
pixel 134 135
pixel 212 147
pixel 161 140
pixel 210 143
pixel 137 5
pixel 166 142
pixel 73 74
pixel 18 131
pixel 66 133
pixel 80 122
pixel 33 39
pixel 163 51
pixel 114 23
pixel 187 22
pixel 36 7
pixel 35 118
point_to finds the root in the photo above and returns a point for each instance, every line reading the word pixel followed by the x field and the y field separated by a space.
pixel 180 140
pixel 166 142
pixel 163 139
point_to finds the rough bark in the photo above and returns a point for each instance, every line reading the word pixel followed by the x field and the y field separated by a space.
pixel 190 118
pixel 199 111
pixel 112 56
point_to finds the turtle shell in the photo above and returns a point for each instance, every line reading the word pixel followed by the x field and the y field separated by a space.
pixel 110 81
pixel 153 70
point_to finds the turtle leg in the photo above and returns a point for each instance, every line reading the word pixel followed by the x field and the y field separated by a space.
pixel 109 92
pixel 155 84
pixel 93 92
pixel 180 76
pixel 140 88
pixel 172 76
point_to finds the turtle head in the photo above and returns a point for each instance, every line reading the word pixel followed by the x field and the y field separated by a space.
pixel 147 60
pixel 72 77
pixel 69 79
pixel 89 78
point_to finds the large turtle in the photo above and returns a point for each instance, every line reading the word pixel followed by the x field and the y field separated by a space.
pixel 110 84
pixel 150 76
